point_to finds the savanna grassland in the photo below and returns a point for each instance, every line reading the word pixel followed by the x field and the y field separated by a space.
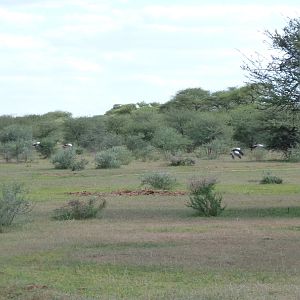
pixel 153 246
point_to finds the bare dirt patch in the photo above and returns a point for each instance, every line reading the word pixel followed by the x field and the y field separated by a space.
pixel 141 192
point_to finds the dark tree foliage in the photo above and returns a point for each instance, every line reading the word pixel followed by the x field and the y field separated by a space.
pixel 283 138
pixel 278 78
pixel 190 99
pixel 233 97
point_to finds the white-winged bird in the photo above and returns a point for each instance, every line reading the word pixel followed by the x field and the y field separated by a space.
pixel 236 152
pixel 36 144
pixel 256 146
pixel 67 145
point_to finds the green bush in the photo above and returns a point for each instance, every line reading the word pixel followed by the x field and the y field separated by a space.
pixel 64 159
pixel 123 155
pixel 13 202
pixel 78 210
pixel 271 179
pixel 158 180
pixel 113 157
pixel 79 165
pixel 147 153
pixel 203 198
pixel 169 140
pixel 106 160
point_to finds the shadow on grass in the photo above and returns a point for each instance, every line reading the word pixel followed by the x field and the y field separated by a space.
pixel 272 212
pixel 146 214
pixel 175 214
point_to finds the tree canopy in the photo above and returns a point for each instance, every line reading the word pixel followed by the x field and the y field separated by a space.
pixel 277 78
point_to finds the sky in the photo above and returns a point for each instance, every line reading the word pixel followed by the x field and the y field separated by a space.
pixel 84 56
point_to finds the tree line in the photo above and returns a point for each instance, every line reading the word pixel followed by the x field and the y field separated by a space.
pixel 265 110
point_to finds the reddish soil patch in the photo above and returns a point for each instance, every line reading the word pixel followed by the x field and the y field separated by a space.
pixel 132 193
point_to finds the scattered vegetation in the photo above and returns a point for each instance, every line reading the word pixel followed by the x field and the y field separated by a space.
pixel 113 157
pixel 294 154
pixel 203 198
pixel 80 209
pixel 268 178
pixel 67 159
pixel 159 180
pixel 13 202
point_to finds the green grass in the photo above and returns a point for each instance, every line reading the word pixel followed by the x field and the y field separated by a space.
pixel 55 272
pixel 259 190
pixel 153 247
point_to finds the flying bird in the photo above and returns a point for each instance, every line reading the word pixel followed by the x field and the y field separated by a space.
pixel 236 152
pixel 36 144
pixel 256 146
pixel 67 145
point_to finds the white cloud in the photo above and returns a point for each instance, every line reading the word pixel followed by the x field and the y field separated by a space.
pixel 186 29
pixel 244 12
pixel 157 80
pixel 83 65
pixel 90 19
pixel 18 17
pixel 20 41
pixel 123 56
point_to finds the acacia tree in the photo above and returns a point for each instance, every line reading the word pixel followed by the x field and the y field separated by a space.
pixel 277 82
pixel 190 99
pixel 278 78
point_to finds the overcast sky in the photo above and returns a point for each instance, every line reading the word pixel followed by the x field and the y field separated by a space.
pixel 84 56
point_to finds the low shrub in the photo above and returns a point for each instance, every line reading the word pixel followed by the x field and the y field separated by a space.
pixel 13 202
pixel 113 157
pixel 64 159
pixel 181 161
pixel 158 180
pixel 203 198
pixel 106 160
pixel 147 153
pixel 78 210
pixel 123 155
pixel 271 179
pixel 79 165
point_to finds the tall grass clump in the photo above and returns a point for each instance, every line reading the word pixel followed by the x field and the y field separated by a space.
pixel 268 178
pixel 294 154
pixel 212 150
pixel 13 202
pixel 258 154
pixel 158 180
pixel 80 209
pixel 203 197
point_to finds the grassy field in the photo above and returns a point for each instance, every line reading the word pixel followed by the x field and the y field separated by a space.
pixel 153 247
